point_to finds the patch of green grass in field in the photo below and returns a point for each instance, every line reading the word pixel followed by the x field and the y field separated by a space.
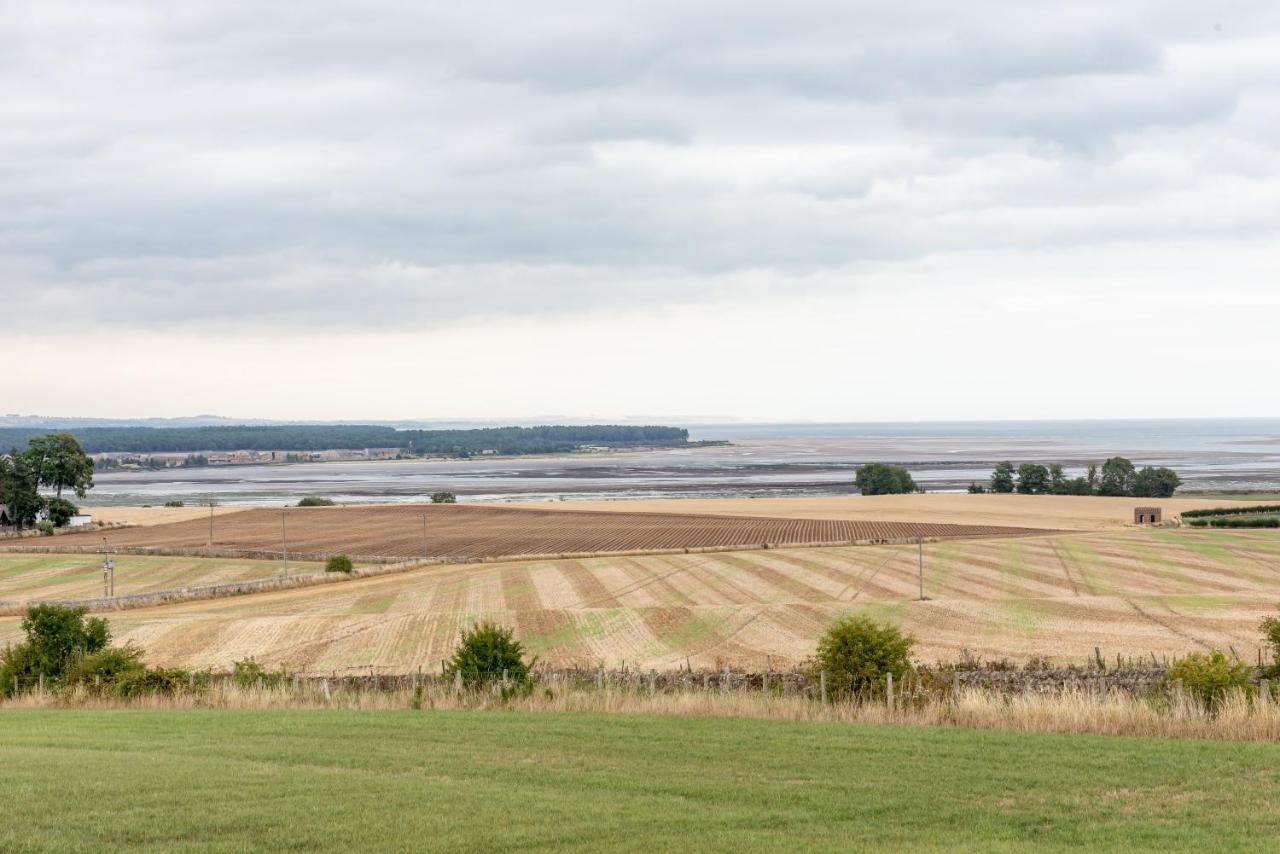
pixel 591 624
pixel 484 781
pixel 1017 613
pixel 881 612
pixel 1086 561
pixel 372 605
pixel 1193 603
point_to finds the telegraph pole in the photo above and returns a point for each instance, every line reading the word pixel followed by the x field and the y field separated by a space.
pixel 920 542
pixel 212 502
pixel 284 543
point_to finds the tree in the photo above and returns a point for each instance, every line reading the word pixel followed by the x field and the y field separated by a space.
pixel 1156 482
pixel 1092 478
pixel 60 511
pixel 488 651
pixel 1078 486
pixel 1033 479
pixel 1002 477
pixel 61 463
pixel 1117 477
pixel 57 636
pixel 976 488
pixel 1057 480
pixel 858 652
pixel 882 479
pixel 20 489
pixel 443 498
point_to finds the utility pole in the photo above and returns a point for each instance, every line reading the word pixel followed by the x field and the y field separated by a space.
pixel 284 543
pixel 108 571
pixel 920 542
pixel 212 502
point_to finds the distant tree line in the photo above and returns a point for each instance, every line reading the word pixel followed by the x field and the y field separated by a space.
pixel 54 461
pixel 320 437
pixel 1116 477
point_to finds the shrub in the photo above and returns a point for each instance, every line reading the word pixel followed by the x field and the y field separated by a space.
pixel 338 563
pixel 486 651
pixel 315 501
pixel 443 498
pixel 173 504
pixel 1210 678
pixel 1271 635
pixel 110 665
pixel 45 527
pixel 1231 511
pixel 248 673
pixel 60 511
pixel 858 652
pixel 57 637
pixel 1234 522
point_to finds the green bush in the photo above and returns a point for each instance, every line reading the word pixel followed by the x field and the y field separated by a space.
pixel 485 653
pixel 1234 522
pixel 45 527
pixel 443 498
pixel 173 504
pixel 315 501
pixel 57 638
pixel 1271 636
pixel 857 653
pixel 60 511
pixel 1231 511
pixel 338 563
pixel 107 666
pixel 1210 678
pixel 248 673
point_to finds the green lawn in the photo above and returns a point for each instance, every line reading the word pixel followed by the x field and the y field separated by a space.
pixel 480 781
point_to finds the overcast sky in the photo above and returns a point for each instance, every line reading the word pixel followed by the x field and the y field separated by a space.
pixel 774 211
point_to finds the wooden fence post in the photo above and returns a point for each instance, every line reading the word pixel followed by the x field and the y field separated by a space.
pixel 457 681
pixel 328 696
pixel 822 683
pixel 888 690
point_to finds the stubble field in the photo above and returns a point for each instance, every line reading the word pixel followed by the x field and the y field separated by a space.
pixel 1136 592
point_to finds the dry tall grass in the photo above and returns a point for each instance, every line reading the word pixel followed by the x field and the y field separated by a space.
pixel 1239 718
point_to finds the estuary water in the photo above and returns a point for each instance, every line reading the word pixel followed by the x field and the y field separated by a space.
pixel 763 460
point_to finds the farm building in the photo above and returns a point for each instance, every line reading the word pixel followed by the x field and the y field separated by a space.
pixel 5 520
pixel 1146 515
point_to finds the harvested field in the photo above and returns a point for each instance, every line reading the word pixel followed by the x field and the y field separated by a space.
pixel 1136 593
pixel 133 515
pixel 486 532
pixel 26 577
pixel 1059 512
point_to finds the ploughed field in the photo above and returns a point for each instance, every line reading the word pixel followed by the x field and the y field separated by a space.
pixel 1135 592
pixel 460 531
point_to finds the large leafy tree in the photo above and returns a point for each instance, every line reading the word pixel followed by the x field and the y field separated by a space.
pixel 1033 479
pixel 1156 482
pixel 20 488
pixel 61 463
pixel 1117 477
pixel 882 479
pixel 1002 477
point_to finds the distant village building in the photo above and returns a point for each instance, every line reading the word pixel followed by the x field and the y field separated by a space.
pixel 1146 515
pixel 80 520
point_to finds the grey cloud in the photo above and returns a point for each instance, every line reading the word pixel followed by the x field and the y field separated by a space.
pixel 414 162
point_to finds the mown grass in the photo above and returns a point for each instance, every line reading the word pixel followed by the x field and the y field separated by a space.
pixel 480 781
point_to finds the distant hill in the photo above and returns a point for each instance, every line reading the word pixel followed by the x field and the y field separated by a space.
pixel 320 437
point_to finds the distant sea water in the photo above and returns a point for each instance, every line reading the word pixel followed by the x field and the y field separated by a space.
pixel 763 460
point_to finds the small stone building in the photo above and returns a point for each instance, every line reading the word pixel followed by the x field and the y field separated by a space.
pixel 1146 515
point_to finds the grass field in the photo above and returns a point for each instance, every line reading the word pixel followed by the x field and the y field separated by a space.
pixel 1135 592
pixel 489 531
pixel 69 576
pixel 480 781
